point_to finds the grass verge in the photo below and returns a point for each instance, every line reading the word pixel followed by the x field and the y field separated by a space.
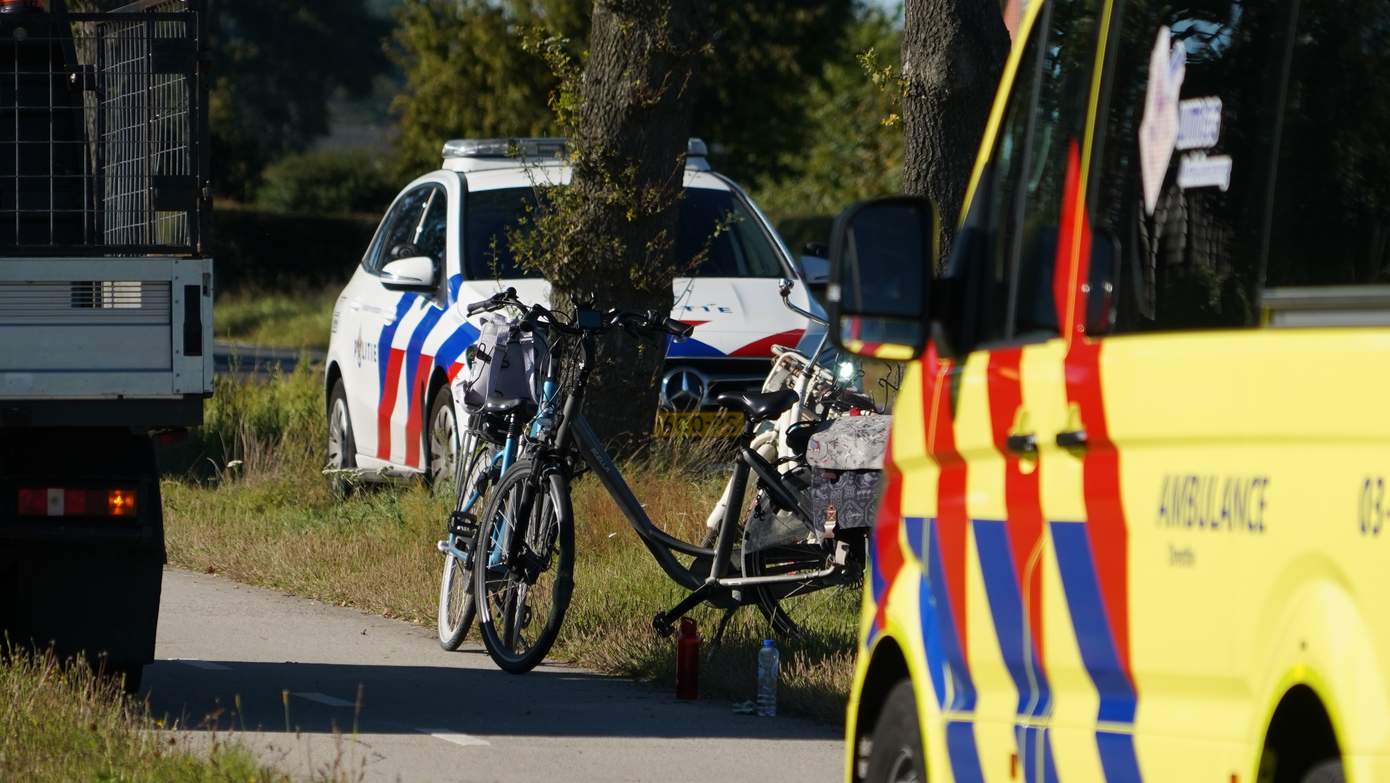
pixel 269 519
pixel 281 319
pixel 63 723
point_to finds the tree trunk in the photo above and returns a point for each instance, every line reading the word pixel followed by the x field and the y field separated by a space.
pixel 629 164
pixel 953 56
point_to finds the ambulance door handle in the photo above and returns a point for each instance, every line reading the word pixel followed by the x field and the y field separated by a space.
pixel 1072 439
pixel 1022 443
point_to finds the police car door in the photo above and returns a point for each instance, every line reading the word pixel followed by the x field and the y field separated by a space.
pixel 373 378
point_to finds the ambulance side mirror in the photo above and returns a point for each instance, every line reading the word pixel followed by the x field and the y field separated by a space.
pixel 881 255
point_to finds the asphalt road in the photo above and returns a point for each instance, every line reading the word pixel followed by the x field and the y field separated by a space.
pixel 293 678
pixel 239 359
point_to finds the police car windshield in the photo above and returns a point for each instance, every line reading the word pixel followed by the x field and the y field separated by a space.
pixel 717 233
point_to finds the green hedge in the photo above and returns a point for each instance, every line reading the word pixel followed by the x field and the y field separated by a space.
pixel 255 250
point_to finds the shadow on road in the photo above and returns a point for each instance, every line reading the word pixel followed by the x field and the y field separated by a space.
pixel 321 697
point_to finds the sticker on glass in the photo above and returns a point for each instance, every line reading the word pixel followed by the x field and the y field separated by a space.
pixel 1158 130
pixel 1199 170
pixel 1199 123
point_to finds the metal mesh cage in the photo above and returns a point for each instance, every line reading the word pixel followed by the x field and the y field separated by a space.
pixel 103 139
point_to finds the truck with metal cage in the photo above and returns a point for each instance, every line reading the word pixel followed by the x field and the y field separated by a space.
pixel 105 310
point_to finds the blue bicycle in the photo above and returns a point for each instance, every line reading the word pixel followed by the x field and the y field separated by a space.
pixel 492 443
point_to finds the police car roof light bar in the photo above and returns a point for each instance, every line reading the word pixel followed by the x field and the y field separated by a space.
pixel 534 148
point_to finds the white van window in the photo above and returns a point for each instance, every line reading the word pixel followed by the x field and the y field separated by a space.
pixel 400 231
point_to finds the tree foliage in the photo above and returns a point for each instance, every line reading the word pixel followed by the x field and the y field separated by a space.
pixel 854 146
pixel 327 182
pixel 275 65
pixel 468 73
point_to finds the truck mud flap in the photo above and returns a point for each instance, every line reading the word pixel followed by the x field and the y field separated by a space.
pixel 83 601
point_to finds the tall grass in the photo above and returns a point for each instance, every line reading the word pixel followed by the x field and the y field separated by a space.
pixel 262 512
pixel 277 319
pixel 62 723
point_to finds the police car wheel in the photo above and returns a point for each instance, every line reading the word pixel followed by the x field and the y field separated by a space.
pixel 896 753
pixel 342 448
pixel 441 441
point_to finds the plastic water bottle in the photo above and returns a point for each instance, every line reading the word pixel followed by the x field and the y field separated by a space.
pixel 769 664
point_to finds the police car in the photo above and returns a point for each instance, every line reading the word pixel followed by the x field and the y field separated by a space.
pixel 400 329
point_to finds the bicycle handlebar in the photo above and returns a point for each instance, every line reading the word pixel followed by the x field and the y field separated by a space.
pixel 651 321
pixel 495 302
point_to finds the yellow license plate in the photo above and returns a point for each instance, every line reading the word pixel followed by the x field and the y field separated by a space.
pixel 697 424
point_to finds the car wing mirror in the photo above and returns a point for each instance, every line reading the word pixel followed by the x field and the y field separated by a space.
pixel 815 269
pixel 881 255
pixel 417 273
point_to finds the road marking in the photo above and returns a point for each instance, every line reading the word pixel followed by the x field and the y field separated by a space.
pixel 466 740
pixel 205 665
pixel 323 698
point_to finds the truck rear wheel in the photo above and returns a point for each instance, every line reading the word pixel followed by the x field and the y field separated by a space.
pixel 896 754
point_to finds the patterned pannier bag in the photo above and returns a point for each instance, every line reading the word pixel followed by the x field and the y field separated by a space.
pixel 842 484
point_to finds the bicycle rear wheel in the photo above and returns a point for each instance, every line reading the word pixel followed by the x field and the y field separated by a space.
pixel 524 574
pixel 789 606
pixel 456 604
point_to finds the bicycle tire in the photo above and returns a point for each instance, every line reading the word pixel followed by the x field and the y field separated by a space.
pixel 772 600
pixel 503 590
pixel 457 604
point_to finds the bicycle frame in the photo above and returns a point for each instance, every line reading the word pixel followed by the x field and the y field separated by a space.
pixel 574 431
pixel 502 461
pixel 660 543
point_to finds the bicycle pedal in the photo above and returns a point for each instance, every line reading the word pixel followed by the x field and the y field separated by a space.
pixel 662 626
pixel 463 525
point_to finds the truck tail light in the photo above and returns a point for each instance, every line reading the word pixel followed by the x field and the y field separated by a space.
pixel 120 502
pixel 66 502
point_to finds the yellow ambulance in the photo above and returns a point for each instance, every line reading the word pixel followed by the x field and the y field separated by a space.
pixel 1134 524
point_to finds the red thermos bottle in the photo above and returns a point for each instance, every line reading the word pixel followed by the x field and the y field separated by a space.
pixel 687 660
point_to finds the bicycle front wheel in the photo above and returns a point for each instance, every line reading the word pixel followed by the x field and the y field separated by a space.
pixel 524 571
pixel 456 604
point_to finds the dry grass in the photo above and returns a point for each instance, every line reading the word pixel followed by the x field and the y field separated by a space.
pixel 272 521
pixel 62 723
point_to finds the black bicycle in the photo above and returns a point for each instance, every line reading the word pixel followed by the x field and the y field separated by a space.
pixel 523 574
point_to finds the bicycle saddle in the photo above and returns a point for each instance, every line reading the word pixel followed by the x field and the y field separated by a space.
pixel 501 405
pixel 759 406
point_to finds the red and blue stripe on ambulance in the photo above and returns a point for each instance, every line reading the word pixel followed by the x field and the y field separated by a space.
pixel 1092 556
